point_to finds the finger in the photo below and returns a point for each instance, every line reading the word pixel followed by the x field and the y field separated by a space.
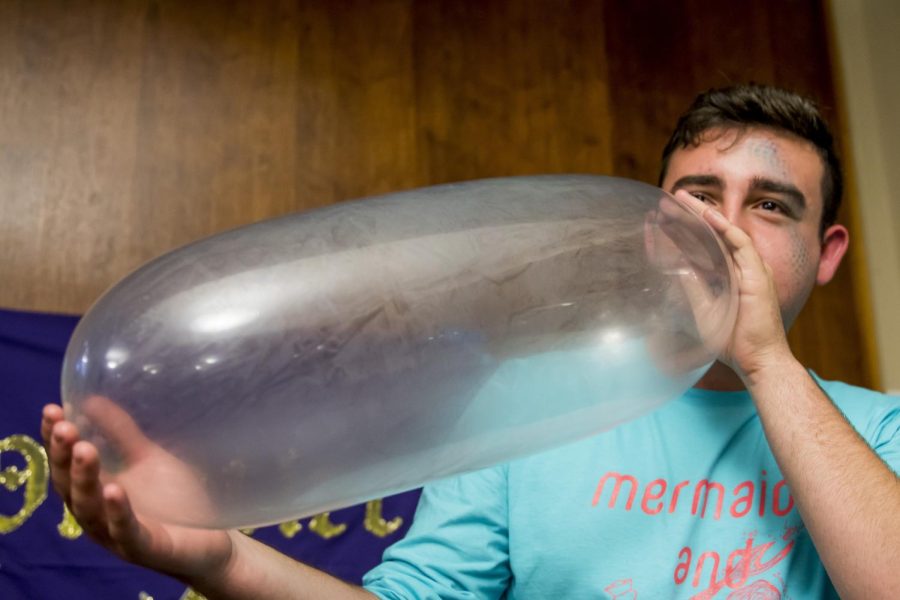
pixel 680 224
pixel 699 296
pixel 117 426
pixel 735 237
pixel 710 314
pixel 62 437
pixel 50 416
pixel 742 249
pixel 122 524
pixel 86 490
pixel 678 210
pixel 691 201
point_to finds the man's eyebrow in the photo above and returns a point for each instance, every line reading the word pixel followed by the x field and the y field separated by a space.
pixel 763 184
pixel 702 180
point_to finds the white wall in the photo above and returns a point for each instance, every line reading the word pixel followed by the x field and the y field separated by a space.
pixel 867 35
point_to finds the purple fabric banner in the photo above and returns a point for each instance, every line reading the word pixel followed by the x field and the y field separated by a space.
pixel 43 553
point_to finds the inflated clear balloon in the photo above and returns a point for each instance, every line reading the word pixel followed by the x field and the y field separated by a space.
pixel 321 359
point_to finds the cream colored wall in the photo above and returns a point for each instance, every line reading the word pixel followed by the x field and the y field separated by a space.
pixel 867 34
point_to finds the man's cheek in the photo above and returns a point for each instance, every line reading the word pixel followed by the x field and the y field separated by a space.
pixel 801 257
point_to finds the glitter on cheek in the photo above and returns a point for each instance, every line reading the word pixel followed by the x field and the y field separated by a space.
pixel 800 255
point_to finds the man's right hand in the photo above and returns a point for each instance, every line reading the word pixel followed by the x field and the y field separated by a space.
pixel 106 515
pixel 219 564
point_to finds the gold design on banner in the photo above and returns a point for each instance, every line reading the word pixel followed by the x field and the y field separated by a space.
pixel 322 525
pixel 290 528
pixel 375 523
pixel 144 596
pixel 190 594
pixel 33 477
pixel 69 527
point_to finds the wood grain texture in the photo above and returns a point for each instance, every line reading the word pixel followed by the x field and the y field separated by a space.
pixel 129 128
pixel 510 88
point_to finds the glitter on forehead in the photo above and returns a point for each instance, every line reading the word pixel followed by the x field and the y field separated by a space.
pixel 767 151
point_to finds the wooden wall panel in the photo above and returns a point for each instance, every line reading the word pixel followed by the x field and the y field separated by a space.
pixel 68 138
pixel 128 128
pixel 355 103
pixel 509 88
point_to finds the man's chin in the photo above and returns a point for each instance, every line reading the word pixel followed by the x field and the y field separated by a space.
pixel 720 378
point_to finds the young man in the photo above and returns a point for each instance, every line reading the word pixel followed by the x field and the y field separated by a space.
pixel 755 483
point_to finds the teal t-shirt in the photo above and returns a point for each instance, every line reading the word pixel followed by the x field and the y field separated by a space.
pixel 686 502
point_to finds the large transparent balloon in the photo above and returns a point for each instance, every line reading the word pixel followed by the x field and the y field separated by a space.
pixel 322 359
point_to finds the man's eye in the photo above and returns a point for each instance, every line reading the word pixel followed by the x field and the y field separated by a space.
pixel 701 196
pixel 770 206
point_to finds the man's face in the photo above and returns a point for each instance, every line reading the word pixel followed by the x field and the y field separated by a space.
pixel 769 184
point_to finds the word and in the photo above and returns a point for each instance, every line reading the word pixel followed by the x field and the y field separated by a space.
pixel 745 563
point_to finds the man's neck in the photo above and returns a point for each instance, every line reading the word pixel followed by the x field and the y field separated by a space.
pixel 720 378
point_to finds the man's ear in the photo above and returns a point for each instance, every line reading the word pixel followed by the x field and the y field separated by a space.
pixel 834 246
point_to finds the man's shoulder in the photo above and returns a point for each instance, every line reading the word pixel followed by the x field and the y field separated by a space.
pixel 874 414
pixel 840 392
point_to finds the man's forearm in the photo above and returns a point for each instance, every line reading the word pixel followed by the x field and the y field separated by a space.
pixel 257 572
pixel 848 498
